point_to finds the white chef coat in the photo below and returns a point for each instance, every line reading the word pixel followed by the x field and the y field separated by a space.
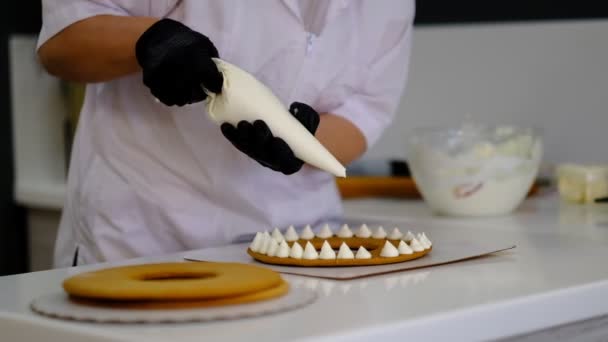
pixel 147 179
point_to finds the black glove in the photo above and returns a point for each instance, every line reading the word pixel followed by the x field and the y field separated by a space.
pixel 176 63
pixel 256 140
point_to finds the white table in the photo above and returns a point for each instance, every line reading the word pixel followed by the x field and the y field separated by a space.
pixel 558 273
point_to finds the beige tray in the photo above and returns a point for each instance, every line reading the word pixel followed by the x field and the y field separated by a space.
pixel 444 252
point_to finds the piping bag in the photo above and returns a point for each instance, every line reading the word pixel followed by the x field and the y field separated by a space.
pixel 245 98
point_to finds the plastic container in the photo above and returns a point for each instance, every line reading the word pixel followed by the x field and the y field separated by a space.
pixel 474 169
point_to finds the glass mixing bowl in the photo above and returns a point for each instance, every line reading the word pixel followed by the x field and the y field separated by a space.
pixel 474 169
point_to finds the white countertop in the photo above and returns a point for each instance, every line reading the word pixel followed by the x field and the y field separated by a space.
pixel 558 273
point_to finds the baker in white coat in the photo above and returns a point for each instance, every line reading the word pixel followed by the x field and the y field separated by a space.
pixel 151 173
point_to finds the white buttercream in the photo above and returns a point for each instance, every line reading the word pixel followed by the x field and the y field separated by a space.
pixel 276 234
pixel 422 241
pixel 416 246
pixel 389 250
pixel 362 253
pixel 283 251
pixel 408 236
pixel 265 242
pixel 428 241
pixel 307 233
pixel 363 232
pixel 234 105
pixel 291 235
pixel 345 252
pixel 325 232
pixel 310 253
pixel 327 253
pixel 395 234
pixel 256 244
pixel 296 251
pixel 273 247
pixel 403 248
pixel 379 233
pixel 345 232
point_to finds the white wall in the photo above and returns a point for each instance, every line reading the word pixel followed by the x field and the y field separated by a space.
pixel 39 112
pixel 553 75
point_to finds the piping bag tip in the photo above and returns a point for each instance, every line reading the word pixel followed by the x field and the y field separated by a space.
pixel 234 104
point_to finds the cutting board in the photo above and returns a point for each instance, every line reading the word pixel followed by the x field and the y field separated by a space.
pixel 392 187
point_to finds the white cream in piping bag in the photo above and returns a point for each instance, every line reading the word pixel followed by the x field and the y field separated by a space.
pixel 244 98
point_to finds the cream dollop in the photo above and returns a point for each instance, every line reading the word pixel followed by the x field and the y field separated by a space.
pixel 416 246
pixel 273 247
pixel 403 248
pixel 265 242
pixel 307 233
pixel 428 241
pixel 296 251
pixel 389 250
pixel 408 236
pixel 276 234
pixel 291 235
pixel 256 244
pixel 363 232
pixel 379 233
pixel 344 252
pixel 327 253
pixel 422 241
pixel 310 253
pixel 362 253
pixel 325 232
pixel 283 251
pixel 345 232
pixel 395 234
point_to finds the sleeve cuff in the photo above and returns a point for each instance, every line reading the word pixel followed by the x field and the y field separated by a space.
pixel 368 120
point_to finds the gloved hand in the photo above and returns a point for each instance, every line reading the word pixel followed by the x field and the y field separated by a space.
pixel 256 140
pixel 176 63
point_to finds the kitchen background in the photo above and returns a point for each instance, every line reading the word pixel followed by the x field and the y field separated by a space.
pixel 531 62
